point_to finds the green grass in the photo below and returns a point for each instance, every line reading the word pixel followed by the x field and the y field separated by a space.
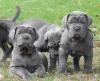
pixel 53 11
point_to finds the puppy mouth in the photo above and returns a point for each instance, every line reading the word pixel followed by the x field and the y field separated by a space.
pixel 24 49
pixel 77 37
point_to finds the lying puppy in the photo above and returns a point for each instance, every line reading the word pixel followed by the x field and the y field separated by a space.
pixel 5 26
pixel 52 39
pixel 76 41
pixel 25 57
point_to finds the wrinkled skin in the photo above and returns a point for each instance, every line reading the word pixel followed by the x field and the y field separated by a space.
pixel 5 26
pixel 36 23
pixel 76 41
pixel 52 39
pixel 25 57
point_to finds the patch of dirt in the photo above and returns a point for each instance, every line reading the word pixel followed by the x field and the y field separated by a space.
pixel 97 43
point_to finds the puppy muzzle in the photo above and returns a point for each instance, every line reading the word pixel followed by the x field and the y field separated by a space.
pixel 26 49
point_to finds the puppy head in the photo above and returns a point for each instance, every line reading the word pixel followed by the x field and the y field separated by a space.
pixel 24 38
pixel 77 23
pixel 52 38
pixel 23 35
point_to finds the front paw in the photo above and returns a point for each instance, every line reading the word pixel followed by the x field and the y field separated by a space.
pixel 40 75
pixel 77 69
pixel 27 77
pixel 88 71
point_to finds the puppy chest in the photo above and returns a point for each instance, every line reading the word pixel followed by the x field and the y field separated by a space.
pixel 76 49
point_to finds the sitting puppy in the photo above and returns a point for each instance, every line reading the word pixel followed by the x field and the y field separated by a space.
pixel 25 57
pixel 76 41
pixel 52 39
pixel 5 26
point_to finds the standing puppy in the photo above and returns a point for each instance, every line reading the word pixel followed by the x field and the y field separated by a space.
pixel 52 39
pixel 76 41
pixel 25 57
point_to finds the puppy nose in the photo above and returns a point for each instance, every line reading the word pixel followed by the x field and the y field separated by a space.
pixel 77 28
pixel 25 37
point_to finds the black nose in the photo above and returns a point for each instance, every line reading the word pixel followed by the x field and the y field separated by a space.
pixel 77 28
pixel 25 37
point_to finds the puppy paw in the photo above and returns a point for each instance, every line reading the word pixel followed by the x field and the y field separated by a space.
pixel 27 78
pixel 88 71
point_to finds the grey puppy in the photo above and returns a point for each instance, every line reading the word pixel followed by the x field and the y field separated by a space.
pixel 5 26
pixel 76 41
pixel 25 57
pixel 52 39
pixel 40 44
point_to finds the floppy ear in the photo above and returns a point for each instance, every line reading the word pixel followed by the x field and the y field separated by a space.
pixel 36 34
pixel 12 35
pixel 64 20
pixel 89 19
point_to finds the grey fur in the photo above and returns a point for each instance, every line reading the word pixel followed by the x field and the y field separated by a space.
pixel 5 26
pixel 76 41
pixel 36 23
pixel 25 57
pixel 52 39
pixel 40 44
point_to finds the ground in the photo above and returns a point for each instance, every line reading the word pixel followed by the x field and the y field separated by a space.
pixel 53 11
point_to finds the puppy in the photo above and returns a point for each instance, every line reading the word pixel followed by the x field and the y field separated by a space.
pixel 76 41
pixel 25 57
pixel 52 39
pixel 5 26
pixel 40 44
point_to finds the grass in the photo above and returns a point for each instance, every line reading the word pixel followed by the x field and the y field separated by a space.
pixel 72 76
pixel 53 11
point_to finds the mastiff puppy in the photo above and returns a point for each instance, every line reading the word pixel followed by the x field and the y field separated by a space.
pixel 76 41
pixel 5 26
pixel 41 44
pixel 25 57
pixel 52 39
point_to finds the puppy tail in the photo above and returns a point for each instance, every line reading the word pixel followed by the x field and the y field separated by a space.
pixel 18 11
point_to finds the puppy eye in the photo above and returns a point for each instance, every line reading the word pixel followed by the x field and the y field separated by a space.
pixel 50 47
pixel 82 22
pixel 19 32
pixel 30 32
pixel 71 22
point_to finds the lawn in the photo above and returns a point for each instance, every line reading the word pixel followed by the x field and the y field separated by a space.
pixel 53 11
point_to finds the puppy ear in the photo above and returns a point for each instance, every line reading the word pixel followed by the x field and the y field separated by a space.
pixel 89 19
pixel 64 20
pixel 36 34
pixel 12 34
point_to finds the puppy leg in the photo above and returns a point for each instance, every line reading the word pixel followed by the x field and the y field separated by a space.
pixel 62 60
pixel 6 51
pixel 88 61
pixel 22 72
pixel 41 71
pixel 52 63
pixel 76 63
